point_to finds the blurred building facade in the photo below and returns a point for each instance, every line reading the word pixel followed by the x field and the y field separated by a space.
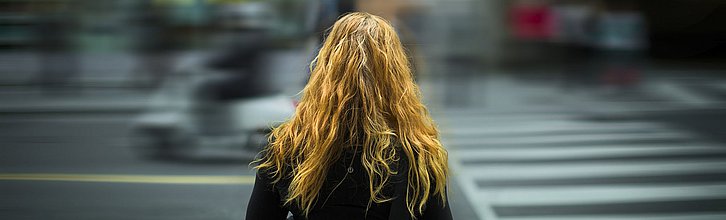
pixel 529 31
pixel 501 31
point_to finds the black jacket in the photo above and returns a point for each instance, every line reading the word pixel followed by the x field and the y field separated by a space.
pixel 348 201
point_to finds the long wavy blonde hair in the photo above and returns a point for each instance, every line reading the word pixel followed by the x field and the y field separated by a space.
pixel 361 92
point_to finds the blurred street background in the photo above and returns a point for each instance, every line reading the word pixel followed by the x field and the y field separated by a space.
pixel 550 109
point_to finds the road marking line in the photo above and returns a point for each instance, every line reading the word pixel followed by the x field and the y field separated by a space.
pixel 113 178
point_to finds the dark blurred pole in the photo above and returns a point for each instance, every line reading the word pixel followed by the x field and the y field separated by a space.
pixel 154 44
pixel 576 32
pixel 622 41
pixel 328 12
pixel 409 26
pixel 58 60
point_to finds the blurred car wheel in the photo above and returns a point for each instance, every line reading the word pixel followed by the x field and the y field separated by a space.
pixel 162 143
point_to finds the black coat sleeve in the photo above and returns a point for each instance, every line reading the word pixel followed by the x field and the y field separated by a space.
pixel 264 202
pixel 437 209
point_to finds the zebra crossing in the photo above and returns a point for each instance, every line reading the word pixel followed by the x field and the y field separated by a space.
pixel 543 166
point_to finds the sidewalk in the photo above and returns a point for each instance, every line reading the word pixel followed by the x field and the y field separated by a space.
pixel 20 67
pixel 32 101
pixel 105 83
pixel 493 92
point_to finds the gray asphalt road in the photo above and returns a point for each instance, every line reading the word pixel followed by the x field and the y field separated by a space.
pixel 83 200
pixel 81 167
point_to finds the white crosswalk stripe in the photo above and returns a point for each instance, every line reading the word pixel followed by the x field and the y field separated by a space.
pixel 601 194
pixel 563 139
pixel 574 152
pixel 559 166
pixel 590 170
pixel 552 127
pixel 705 216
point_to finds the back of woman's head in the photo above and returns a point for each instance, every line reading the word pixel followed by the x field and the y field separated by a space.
pixel 361 93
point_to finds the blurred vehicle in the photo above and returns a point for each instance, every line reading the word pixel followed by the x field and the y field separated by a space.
pixel 179 122
pixel 226 100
